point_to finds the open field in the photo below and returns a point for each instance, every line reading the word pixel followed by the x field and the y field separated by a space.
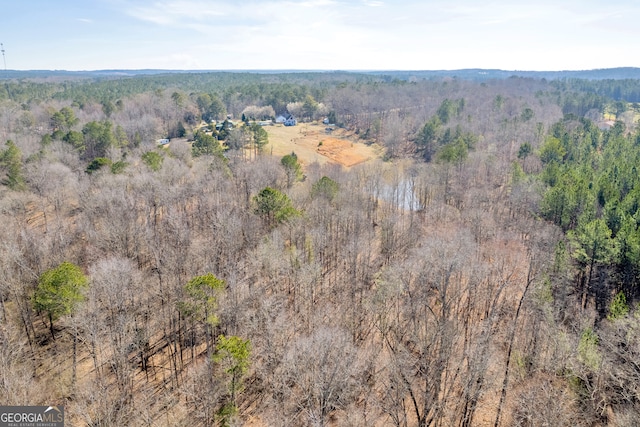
pixel 311 144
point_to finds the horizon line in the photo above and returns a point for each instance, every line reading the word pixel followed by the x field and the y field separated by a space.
pixel 347 70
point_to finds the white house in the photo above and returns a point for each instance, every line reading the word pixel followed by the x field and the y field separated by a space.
pixel 281 119
pixel 291 121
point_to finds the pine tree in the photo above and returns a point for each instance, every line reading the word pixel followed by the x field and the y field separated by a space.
pixel 11 161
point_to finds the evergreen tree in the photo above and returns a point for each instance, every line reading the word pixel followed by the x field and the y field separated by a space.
pixel 11 161
pixel 274 206
pixel 260 136
pixel 98 138
pixel 232 356
pixel 325 187
pixel 427 139
pixel 59 291
pixel 206 145
pixel 153 160
pixel 292 168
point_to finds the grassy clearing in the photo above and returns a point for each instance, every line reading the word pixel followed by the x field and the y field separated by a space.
pixel 311 144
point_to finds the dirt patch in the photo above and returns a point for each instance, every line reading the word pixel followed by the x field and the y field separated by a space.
pixel 341 151
pixel 312 143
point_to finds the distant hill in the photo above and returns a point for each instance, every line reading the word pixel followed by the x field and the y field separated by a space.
pixel 89 74
pixel 477 74
pixel 488 74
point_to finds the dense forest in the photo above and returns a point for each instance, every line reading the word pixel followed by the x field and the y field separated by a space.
pixel 484 270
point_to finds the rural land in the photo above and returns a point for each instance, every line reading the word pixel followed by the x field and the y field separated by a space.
pixel 256 249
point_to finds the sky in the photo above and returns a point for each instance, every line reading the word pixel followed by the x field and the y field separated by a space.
pixel 540 35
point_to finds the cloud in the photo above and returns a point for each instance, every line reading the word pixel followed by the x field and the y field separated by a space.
pixel 250 22
pixel 323 34
pixel 310 3
pixel 178 12
pixel 365 34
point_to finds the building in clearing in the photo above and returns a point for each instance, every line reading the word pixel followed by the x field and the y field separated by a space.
pixel 291 121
